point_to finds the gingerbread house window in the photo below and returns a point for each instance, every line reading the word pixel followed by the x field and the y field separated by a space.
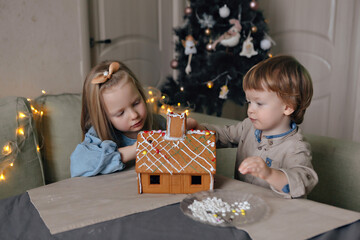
pixel 195 180
pixel 154 179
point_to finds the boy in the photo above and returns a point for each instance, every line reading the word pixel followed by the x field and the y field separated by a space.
pixel 271 150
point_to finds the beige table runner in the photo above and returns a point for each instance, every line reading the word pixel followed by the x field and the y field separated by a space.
pixel 79 202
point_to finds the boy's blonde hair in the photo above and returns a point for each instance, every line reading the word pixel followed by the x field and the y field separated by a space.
pixel 285 76
pixel 93 111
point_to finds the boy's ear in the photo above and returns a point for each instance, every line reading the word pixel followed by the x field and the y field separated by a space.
pixel 288 110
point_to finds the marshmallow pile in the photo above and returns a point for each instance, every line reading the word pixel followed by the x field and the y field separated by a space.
pixel 215 210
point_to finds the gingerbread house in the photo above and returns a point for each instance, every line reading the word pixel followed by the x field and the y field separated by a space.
pixel 175 160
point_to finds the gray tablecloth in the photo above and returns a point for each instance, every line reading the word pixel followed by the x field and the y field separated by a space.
pixel 80 202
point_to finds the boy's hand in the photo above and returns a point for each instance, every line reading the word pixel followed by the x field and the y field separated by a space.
pixel 255 166
pixel 193 124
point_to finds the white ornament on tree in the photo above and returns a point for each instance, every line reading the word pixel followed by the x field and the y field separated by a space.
pixel 207 21
pixel 266 43
pixel 224 11
pixel 231 37
pixel 248 48
pixel 190 49
pixel 224 92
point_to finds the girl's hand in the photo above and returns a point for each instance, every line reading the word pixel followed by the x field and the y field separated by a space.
pixel 128 153
pixel 255 166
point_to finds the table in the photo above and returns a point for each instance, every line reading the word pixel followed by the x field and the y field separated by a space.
pixel 109 207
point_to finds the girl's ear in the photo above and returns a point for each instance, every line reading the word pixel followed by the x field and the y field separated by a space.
pixel 288 110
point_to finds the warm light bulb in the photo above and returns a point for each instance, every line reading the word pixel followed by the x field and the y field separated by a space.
pixel 152 100
pixel 179 104
pixel 11 164
pixel 210 84
pixel 182 89
pixel 41 113
pixel 270 55
pixel 187 112
pixel 150 92
pixel 162 106
pixel 38 148
pixel 43 91
pixel 168 110
pixel 6 149
pixel 28 99
pixel 21 115
pixel 163 97
pixel 20 131
pixel 2 177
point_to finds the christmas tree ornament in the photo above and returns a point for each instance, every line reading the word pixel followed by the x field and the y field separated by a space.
pixel 188 11
pixel 208 32
pixel 206 21
pixel 254 5
pixel 248 48
pixel 190 49
pixel 209 47
pixel 209 22
pixel 230 38
pixel 266 43
pixel 224 92
pixel 224 11
pixel 254 29
pixel 174 64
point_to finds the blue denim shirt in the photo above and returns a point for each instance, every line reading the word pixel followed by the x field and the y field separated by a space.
pixel 93 156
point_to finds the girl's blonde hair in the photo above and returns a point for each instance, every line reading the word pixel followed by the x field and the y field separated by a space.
pixel 93 111
pixel 285 76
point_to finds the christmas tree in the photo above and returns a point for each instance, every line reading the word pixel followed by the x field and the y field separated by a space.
pixel 218 43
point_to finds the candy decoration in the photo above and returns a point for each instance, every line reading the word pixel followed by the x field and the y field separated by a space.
pixel 210 209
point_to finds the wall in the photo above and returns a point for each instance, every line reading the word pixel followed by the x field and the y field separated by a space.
pixel 44 45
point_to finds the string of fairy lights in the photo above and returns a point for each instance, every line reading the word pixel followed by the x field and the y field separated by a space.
pixel 9 151
pixel 158 102
pixel 11 148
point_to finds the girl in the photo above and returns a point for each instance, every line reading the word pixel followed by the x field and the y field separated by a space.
pixel 114 110
pixel 271 151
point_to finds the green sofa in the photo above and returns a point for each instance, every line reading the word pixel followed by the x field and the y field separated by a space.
pixel 40 153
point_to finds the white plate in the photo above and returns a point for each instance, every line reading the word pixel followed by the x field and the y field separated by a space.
pixel 228 213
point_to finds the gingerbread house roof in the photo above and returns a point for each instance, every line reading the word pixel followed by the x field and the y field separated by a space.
pixel 194 152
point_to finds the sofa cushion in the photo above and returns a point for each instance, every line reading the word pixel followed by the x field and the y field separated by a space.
pixel 337 164
pixel 60 132
pixel 19 149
